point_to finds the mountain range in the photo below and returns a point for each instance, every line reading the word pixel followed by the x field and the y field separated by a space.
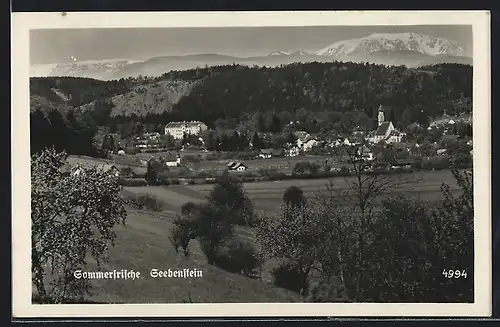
pixel 390 49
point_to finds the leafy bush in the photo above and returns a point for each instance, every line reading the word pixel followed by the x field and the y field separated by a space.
pixel 191 182
pixel 163 179
pixel 287 276
pixel 239 257
pixel 145 201
pixel 175 181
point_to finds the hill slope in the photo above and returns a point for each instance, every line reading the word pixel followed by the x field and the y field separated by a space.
pixel 143 245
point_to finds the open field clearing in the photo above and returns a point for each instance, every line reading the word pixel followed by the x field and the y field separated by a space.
pixel 143 244
pixel 285 164
pixel 267 196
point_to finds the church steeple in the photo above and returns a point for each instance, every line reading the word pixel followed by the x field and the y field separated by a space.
pixel 380 115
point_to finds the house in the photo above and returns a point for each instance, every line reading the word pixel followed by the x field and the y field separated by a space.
pixel 107 168
pixel 386 131
pixel 77 171
pixel 302 137
pixel 178 129
pixel 292 151
pixel 402 164
pixel 441 121
pixel 151 136
pixel 266 153
pixel 311 143
pixel 236 166
pixel 441 152
pixel 358 131
pixel 367 154
pixel 173 160
pixel 111 169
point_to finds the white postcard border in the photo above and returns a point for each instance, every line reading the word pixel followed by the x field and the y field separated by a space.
pixel 22 23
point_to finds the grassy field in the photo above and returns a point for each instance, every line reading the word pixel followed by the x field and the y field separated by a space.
pixel 284 164
pixel 267 196
pixel 143 244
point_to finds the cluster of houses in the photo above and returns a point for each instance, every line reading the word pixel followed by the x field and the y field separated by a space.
pixel 79 169
pixel 385 132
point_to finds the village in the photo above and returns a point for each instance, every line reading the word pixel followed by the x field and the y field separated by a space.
pixel 383 148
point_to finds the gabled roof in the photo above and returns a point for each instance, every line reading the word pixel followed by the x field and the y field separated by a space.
pixel 239 164
pixel 267 151
pixel 382 129
pixel 184 123
pixel 395 133
pixel 235 165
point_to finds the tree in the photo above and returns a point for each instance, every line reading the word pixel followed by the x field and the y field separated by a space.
pixel 293 196
pixel 353 210
pixel 228 195
pixel 208 140
pixel 167 141
pixel 414 241
pixel 151 174
pixel 73 218
pixel 108 143
pixel 275 125
pixel 290 138
pixel 256 142
pixel 259 122
pixel 297 235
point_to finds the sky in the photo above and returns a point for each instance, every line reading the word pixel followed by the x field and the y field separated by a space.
pixel 56 45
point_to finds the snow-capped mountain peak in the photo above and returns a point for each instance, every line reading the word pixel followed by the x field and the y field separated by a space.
pixel 289 53
pixel 417 42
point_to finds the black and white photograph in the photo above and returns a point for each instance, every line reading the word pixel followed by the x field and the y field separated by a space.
pixel 333 162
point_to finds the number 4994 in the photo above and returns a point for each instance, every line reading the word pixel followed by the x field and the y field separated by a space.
pixel 455 273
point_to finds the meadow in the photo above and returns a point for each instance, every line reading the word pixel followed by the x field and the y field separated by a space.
pixel 267 196
pixel 143 244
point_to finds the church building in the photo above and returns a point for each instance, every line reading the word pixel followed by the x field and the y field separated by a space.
pixel 386 131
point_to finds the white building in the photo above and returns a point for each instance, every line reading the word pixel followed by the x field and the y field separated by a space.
pixel 177 129
pixel 172 161
pixel 307 146
pixel 293 151
pixel 236 166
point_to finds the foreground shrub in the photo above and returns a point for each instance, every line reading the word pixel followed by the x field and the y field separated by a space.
pixel 327 290
pixel 145 201
pixel 288 276
pixel 240 257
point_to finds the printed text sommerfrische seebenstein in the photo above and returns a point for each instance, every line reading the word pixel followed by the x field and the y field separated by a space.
pixel 131 274
pixel 179 273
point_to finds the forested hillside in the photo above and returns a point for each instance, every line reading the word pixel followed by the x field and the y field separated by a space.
pixel 320 95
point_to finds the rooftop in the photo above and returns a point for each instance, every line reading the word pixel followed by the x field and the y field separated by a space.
pixel 184 123
pixel 382 129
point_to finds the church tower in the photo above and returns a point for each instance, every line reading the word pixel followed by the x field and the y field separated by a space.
pixel 380 116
